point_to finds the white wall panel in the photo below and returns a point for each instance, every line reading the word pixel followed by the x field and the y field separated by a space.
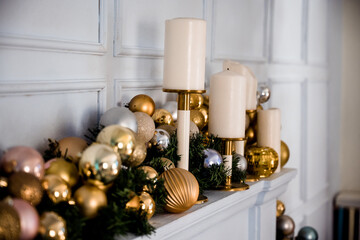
pixel 239 30
pixel 140 24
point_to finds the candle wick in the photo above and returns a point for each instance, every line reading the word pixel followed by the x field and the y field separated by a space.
pixel 227 68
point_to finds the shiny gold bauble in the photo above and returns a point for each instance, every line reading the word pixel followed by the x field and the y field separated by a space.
pixel 196 100
pixel 182 188
pixel 122 140
pixel 262 161
pixel 72 147
pixel 52 226
pixel 151 173
pixel 64 169
pixel 9 222
pixel 284 153
pixel 90 199
pixel 162 117
pixel 56 188
pixel 280 208
pixel 167 163
pixel 138 155
pixel 198 118
pixel 250 135
pixel 134 202
pixel 142 103
pixel 169 128
pixel 25 186
pixel 147 204
pixel 205 112
pixel 206 100
pixel 146 127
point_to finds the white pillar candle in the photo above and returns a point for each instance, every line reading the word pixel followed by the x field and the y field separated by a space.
pixel 251 82
pixel 184 54
pixel 227 105
pixel 268 135
pixel 240 147
pixel 183 137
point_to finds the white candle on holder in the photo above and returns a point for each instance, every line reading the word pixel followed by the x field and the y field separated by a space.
pixel 251 82
pixel 269 125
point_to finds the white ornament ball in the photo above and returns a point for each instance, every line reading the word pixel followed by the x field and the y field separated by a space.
pixel 119 116
pixel 146 127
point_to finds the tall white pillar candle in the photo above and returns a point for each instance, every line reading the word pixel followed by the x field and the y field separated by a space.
pixel 251 82
pixel 184 54
pixel 268 135
pixel 227 105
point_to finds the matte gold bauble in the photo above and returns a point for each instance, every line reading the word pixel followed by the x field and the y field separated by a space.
pixel 196 100
pixel 250 135
pixel 168 128
pixel 262 161
pixel 64 169
pixel 134 202
pixel 122 140
pixel 147 204
pixel 198 118
pixel 142 103
pixel 182 188
pixel 9 222
pixel 138 155
pixel 56 188
pixel 280 208
pixel 162 117
pixel 285 153
pixel 72 147
pixel 99 165
pixel 25 186
pixel 146 127
pixel 167 163
pixel 90 199
pixel 52 226
pixel 205 112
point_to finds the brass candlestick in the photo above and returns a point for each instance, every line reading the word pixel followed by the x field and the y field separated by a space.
pixel 251 138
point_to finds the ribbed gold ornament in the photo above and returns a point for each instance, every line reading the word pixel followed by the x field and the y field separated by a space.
pixel 262 161
pixel 182 188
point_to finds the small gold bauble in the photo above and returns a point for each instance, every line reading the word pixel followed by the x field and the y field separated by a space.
pixel 56 188
pixel 52 226
pixel 25 186
pixel 9 222
pixel 146 127
pixel 72 147
pixel 205 112
pixel 284 153
pixel 280 208
pixel 259 107
pixel 134 202
pixel 262 161
pixel 138 155
pixel 182 188
pixel 122 139
pixel 64 169
pixel 90 199
pixel 196 100
pixel 151 173
pixel 162 117
pixel 198 118
pixel 250 135
pixel 142 103
pixel 167 163
pixel 147 204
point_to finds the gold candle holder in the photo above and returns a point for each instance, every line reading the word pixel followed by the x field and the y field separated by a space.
pixel 251 135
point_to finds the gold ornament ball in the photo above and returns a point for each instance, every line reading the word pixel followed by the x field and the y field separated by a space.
pixel 146 127
pixel 25 186
pixel 147 204
pixel 72 147
pixel 52 226
pixel 196 100
pixel 168 128
pixel 198 118
pixel 64 169
pixel 162 117
pixel 284 153
pixel 151 173
pixel 122 140
pixel 206 100
pixel 56 188
pixel 262 161
pixel 250 135
pixel 205 112
pixel 182 188
pixel 138 155
pixel 134 202
pixel 142 103
pixel 280 208
pixel 90 199
pixel 9 222
pixel 167 163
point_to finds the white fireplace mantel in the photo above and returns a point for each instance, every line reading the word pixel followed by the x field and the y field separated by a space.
pixel 249 214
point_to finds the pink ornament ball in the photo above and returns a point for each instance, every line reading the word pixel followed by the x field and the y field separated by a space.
pixel 29 219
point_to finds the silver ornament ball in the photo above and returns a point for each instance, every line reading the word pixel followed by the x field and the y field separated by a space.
pixel 263 93
pixel 171 107
pixel 242 164
pixel 161 139
pixel 307 233
pixel 212 157
pixel 119 116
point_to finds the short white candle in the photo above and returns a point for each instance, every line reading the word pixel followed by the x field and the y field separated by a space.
pixel 268 135
pixel 227 105
pixel 251 82
pixel 184 54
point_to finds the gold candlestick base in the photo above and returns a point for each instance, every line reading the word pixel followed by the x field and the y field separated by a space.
pixel 202 199
pixel 232 187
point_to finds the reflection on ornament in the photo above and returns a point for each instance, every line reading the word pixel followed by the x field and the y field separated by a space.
pixel 52 226
pixel 169 128
pixel 138 156
pixel 262 161
pixel 263 93
pixel 167 163
pixel 280 208
pixel 25 186
pixel 90 199
pixel 250 135
pixel 242 164
pixel 121 116
pixel 196 100
pixel 285 226
pixel 205 112
pixel 146 127
pixel 307 233
pixel 142 103
pixel 161 139
pixel 212 157
pixel 56 188
pixel 29 218
pixel 182 188
pixel 120 138
pixel 162 117
pixel 64 169
pixel 198 118
pixel 171 107
pixel 134 202
pixel 25 159
pixel 284 153
pixel 147 204
pixel 9 222
pixel 72 147
pixel 151 173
